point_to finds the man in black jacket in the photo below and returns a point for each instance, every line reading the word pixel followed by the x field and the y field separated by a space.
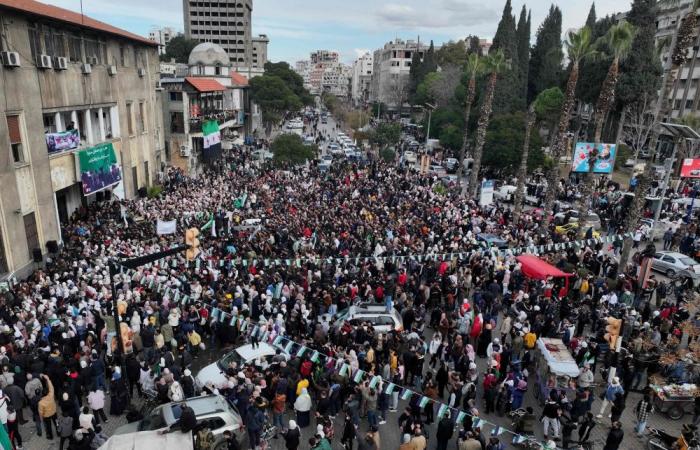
pixel 444 431
pixel 615 437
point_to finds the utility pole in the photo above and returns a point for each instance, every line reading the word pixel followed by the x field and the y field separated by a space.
pixel 430 109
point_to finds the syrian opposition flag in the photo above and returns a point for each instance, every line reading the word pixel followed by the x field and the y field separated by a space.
pixel 212 140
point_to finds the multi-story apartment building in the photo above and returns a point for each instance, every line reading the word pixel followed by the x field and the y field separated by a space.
pixel 227 23
pixel 80 119
pixel 361 79
pixel 162 37
pixel 390 72
pixel 324 57
pixel 323 72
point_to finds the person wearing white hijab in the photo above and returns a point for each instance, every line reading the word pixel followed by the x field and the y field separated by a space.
pixel 302 406
pixel 292 436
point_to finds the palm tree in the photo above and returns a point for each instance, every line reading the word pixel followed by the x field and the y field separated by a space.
pixel 495 63
pixel 522 172
pixel 619 40
pixel 579 47
pixel 474 67
pixel 681 39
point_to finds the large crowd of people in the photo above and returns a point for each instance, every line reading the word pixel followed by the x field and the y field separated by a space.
pixel 270 254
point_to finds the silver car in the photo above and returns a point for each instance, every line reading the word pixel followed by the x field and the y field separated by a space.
pixel 381 320
pixel 671 263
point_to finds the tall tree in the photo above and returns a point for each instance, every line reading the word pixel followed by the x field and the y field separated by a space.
pixel 522 171
pixel 578 47
pixel 641 71
pixel 179 49
pixel 546 56
pixel 682 38
pixel 507 97
pixel 474 45
pixel 452 54
pixel 618 40
pixel 430 63
pixel 416 74
pixel 591 20
pixel 523 35
pixel 473 68
pixel 593 70
pixel 495 64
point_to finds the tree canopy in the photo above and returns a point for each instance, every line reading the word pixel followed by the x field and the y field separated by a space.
pixel 508 97
pixel 179 49
pixel 386 134
pixel 274 97
pixel 290 149
pixel 546 56
pixel 504 144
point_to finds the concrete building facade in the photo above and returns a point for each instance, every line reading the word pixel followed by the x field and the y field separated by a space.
pixel 323 72
pixel 390 71
pixel 361 79
pixel 162 37
pixel 70 85
pixel 227 23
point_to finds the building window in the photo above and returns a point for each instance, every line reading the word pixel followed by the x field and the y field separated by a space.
pixel 31 233
pixel 176 96
pixel 13 129
pixel 142 118
pixel 689 104
pixel 35 42
pixel 75 48
pixel 129 119
pixel 122 55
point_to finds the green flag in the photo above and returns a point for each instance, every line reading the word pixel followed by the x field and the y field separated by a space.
pixel 5 443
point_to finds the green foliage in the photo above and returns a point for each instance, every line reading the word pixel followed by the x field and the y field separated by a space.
pixel 523 43
pixel 591 20
pixel 594 70
pixel 546 56
pixel 504 143
pixel 290 149
pixel 293 80
pixel 473 47
pixel 507 97
pixel 331 102
pixel 357 119
pixel 274 97
pixel 179 48
pixel 641 71
pixel 420 68
pixel 452 54
pixel 439 189
pixel 386 134
pixel 387 155
pixel 155 191
pixel 548 105
pixel 451 137
pixel 378 108
pixel 624 152
pixel 442 118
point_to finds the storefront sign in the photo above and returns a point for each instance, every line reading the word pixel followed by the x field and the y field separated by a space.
pixel 98 168
pixel 691 168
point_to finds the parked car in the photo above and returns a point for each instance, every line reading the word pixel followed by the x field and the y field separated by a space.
pixel 382 320
pixel 410 157
pixel 491 240
pixel 261 356
pixel 574 226
pixel 671 263
pixel 451 164
pixel 210 410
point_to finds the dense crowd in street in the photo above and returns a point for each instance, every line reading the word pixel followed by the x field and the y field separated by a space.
pixel 271 256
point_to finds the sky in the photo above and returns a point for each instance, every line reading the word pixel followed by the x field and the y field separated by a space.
pixel 298 27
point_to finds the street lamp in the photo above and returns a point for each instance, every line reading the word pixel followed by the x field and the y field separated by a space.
pixel 430 109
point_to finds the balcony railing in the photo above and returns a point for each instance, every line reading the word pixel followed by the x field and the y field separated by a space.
pixel 220 117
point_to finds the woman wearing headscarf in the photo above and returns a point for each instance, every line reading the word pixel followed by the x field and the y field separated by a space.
pixel 302 406
pixel 292 436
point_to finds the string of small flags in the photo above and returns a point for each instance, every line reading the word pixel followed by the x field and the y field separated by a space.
pixel 213 262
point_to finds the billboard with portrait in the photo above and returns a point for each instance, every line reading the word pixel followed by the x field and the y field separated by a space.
pixel 605 162
pixel 98 168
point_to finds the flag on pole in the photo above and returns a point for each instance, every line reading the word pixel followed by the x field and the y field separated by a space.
pixel 211 148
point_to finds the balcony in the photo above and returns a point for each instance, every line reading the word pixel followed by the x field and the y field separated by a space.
pixel 220 117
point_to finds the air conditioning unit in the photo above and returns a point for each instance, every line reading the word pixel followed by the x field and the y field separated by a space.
pixel 10 59
pixel 159 86
pixel 141 72
pixel 44 62
pixel 86 68
pixel 112 70
pixel 61 63
pixel 184 151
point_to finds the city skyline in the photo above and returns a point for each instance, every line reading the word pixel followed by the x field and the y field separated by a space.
pixel 296 27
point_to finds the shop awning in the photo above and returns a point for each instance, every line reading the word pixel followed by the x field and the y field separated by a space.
pixel 205 84
pixel 534 267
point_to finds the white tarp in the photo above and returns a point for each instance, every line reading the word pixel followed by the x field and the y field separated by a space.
pixel 558 358
pixel 163 227
pixel 149 440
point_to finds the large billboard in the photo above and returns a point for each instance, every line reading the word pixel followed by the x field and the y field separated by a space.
pixel 98 168
pixel 605 162
pixel 691 168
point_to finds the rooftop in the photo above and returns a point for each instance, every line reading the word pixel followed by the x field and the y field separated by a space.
pixel 33 7
pixel 205 84
pixel 238 79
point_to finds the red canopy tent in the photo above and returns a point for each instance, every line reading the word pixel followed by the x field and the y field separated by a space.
pixel 534 267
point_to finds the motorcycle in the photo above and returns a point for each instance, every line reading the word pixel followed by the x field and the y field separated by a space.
pixel 660 440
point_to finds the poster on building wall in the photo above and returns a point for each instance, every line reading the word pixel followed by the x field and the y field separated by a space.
pixel 65 140
pixel 605 162
pixel 98 168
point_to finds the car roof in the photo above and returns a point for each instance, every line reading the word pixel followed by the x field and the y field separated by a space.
pixel 248 353
pixel 674 254
pixel 202 405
